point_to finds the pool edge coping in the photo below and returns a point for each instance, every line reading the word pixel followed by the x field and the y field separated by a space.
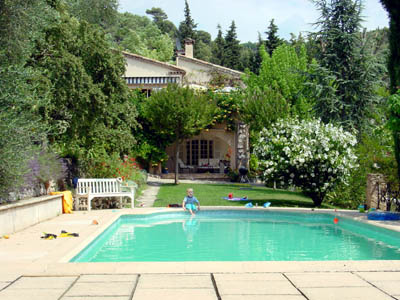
pixel 351 214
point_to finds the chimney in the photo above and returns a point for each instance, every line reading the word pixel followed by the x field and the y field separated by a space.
pixel 189 47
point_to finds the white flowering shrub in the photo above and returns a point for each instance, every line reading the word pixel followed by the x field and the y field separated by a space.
pixel 307 154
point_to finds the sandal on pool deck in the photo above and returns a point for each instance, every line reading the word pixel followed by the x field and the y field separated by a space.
pixel 48 236
pixel 68 234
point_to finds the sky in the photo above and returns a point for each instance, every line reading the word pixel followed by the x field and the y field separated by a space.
pixel 251 16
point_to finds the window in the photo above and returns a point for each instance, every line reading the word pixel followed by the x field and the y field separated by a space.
pixel 196 149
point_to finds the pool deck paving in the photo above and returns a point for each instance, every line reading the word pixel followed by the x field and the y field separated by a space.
pixel 34 268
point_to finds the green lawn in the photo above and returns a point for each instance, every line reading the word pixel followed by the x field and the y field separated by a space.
pixel 211 195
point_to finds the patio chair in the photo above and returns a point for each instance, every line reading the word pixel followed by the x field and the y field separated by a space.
pixel 184 167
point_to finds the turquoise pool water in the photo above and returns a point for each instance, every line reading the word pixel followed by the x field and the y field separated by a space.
pixel 223 235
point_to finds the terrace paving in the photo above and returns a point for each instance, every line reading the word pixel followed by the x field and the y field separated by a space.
pixel 33 268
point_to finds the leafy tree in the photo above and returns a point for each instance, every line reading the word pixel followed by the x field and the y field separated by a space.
pixel 393 9
pixel 162 22
pixel 159 16
pixel 261 108
pixel 21 22
pixel 218 47
pixel 280 83
pixel 89 111
pixel 180 113
pixel 20 126
pixel 273 41
pixel 187 27
pixel 98 12
pixel 202 49
pixel 139 35
pixel 232 49
pixel 346 58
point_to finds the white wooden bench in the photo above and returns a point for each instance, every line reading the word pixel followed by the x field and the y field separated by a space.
pixel 90 188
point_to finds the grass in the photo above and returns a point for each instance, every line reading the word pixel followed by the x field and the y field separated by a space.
pixel 212 194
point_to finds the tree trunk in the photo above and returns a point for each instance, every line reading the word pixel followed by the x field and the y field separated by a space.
pixel 176 162
pixel 316 197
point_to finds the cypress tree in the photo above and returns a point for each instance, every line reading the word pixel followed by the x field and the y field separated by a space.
pixel 187 27
pixel 232 48
pixel 218 48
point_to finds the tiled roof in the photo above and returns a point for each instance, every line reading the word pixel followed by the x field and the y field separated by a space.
pixel 202 62
pixel 153 61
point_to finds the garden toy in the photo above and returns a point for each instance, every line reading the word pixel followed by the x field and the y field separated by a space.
pixel 236 198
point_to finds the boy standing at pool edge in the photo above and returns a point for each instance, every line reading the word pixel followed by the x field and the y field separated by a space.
pixel 189 202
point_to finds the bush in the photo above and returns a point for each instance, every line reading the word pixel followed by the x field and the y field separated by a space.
pixel 375 155
pixel 113 167
pixel 233 175
pixel 307 154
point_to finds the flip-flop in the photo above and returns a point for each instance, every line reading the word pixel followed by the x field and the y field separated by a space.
pixel 68 234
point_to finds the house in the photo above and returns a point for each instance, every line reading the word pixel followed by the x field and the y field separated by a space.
pixel 210 153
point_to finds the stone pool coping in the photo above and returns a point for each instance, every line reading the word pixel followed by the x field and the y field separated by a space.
pixel 25 253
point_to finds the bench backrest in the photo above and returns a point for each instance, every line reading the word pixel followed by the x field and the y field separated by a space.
pixel 98 185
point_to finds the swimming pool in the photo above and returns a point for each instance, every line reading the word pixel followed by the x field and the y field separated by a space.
pixel 240 235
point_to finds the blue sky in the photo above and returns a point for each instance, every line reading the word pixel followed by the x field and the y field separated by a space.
pixel 251 16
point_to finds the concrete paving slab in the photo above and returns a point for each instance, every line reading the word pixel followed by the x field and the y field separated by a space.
pixel 79 268
pixel 319 279
pixel 263 297
pixel 379 276
pixel 390 287
pixel 31 294
pixel 97 298
pixel 251 277
pixel 169 281
pixel 42 283
pixel 256 288
pixel 103 289
pixel 345 293
pixel 8 277
pixel 175 294
pixel 107 278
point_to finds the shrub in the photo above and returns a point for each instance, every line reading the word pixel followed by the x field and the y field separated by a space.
pixel 113 167
pixel 307 154
pixel 375 155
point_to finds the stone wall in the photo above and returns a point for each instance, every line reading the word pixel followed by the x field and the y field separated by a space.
pixel 242 149
pixel 22 214
pixel 372 190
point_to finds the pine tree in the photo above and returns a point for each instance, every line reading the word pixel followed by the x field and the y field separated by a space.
pixel 273 41
pixel 187 27
pixel 232 48
pixel 256 59
pixel 218 48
